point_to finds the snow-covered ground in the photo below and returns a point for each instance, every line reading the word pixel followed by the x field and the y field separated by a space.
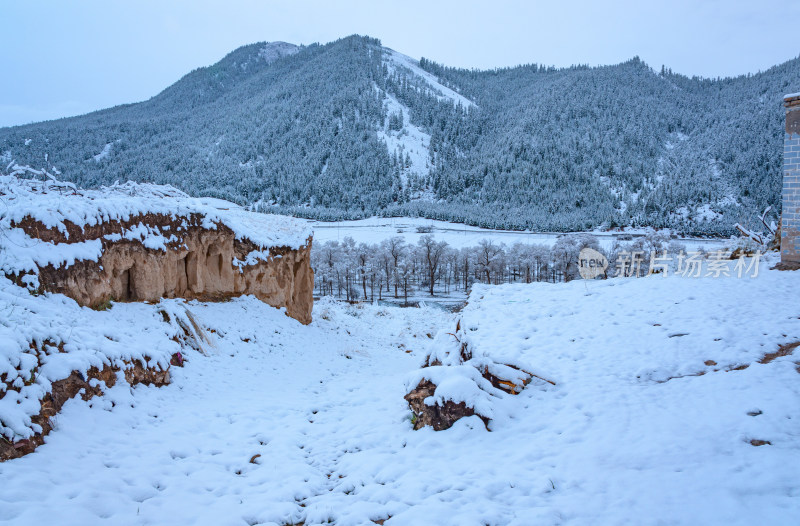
pixel 284 424
pixel 308 400
pixel 376 229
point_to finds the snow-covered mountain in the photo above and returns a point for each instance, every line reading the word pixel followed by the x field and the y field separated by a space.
pixel 351 129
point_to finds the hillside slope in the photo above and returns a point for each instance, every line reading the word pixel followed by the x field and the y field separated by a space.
pixel 351 129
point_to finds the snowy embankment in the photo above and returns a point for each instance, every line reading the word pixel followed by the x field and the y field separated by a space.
pixel 55 237
pixel 45 338
pixel 662 390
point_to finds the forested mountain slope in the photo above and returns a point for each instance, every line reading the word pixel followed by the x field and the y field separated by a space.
pixel 351 129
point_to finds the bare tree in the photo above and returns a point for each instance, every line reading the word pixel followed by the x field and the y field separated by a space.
pixel 487 253
pixel 465 257
pixel 396 247
pixel 363 264
pixel 432 253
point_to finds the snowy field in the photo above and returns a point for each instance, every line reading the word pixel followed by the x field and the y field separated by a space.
pixel 288 424
pixel 376 229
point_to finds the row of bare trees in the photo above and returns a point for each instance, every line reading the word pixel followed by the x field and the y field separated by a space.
pixel 361 271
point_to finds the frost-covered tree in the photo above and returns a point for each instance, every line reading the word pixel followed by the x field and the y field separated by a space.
pixel 432 253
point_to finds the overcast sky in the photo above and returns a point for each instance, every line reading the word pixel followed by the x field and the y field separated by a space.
pixel 61 58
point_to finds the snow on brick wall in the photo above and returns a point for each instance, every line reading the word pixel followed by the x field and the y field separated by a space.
pixel 790 219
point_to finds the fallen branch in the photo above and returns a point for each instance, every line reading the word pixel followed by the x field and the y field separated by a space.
pixel 539 377
pixel 749 234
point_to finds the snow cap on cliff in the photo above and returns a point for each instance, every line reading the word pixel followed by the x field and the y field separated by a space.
pixel 54 204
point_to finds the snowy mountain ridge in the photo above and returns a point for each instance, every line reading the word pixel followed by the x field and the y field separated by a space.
pixel 318 131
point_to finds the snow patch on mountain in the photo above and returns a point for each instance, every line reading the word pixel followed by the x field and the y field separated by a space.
pixel 705 211
pixel 409 143
pixel 272 51
pixel 268 53
pixel 397 61
pixel 105 152
pixel 680 137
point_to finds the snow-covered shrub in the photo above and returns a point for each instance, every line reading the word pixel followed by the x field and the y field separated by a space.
pixel 185 327
pixel 752 241
pixel 459 380
pixel 743 246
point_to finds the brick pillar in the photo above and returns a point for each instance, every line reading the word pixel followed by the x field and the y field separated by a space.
pixel 790 214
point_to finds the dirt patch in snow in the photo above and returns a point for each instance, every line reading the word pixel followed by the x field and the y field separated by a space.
pixel 783 350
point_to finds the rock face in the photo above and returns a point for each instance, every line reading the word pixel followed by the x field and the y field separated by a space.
pixel 196 262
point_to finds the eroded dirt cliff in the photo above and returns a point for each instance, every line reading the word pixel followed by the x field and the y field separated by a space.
pixel 195 261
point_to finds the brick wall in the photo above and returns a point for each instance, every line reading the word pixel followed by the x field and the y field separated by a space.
pixel 790 218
